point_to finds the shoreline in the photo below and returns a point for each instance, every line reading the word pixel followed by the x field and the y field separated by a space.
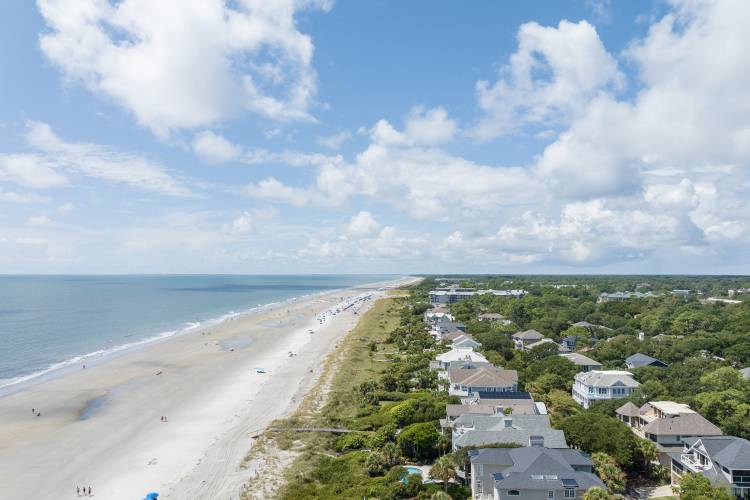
pixel 102 425
pixel 13 385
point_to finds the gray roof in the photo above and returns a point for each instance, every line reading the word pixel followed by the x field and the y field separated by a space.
pixel 554 466
pixel 607 378
pixel 492 429
pixel 586 324
pixel 580 359
pixel 639 359
pixel 491 316
pixel 746 372
pixel 730 451
pixel 528 335
pixel 478 409
pixel 629 410
pixel 484 376
pixel 685 424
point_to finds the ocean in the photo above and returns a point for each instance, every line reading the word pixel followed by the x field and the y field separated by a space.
pixel 48 323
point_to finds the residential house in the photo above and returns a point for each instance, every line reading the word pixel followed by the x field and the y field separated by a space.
pixel 569 343
pixel 597 385
pixel 493 318
pixel 522 339
pixel 589 326
pixel 488 407
pixel 638 360
pixel 666 423
pixel 443 361
pixel 716 300
pixel 585 363
pixel 437 317
pixel 465 341
pixel 724 460
pixel 451 334
pixel 746 373
pixel 545 340
pixel 466 381
pixel 524 430
pixel 533 473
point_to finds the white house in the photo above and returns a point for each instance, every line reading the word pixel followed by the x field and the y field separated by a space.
pixel 443 361
pixel 597 385
pixel 465 342
pixel 523 339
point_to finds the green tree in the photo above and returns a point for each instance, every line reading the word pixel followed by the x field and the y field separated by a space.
pixel 648 452
pixel 375 464
pixel 444 469
pixel 609 472
pixel 593 432
pixel 440 495
pixel 698 487
pixel 723 379
pixel 391 454
pixel 597 493
pixel 418 441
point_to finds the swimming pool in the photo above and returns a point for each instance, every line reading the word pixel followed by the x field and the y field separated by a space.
pixel 412 470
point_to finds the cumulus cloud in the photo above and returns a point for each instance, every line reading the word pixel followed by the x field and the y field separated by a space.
pixel 187 63
pixel 363 225
pixel 548 80
pixel 335 141
pixel 215 148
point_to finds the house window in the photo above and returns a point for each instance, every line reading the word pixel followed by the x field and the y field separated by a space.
pixel 514 493
pixel 570 493
pixel 479 486
pixel 591 390
pixel 602 391
pixel 550 494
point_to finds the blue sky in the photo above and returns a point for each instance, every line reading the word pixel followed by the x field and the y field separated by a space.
pixel 383 136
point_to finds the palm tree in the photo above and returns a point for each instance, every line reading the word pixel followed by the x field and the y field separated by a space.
pixel 597 493
pixel 443 470
pixel 649 452
pixel 441 495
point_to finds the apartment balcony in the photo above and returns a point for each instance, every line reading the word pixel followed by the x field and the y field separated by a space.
pixel 691 463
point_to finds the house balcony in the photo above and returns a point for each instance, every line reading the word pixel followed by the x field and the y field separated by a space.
pixel 691 463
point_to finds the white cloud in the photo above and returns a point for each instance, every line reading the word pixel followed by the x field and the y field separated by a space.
pixel 38 220
pixel 335 141
pixel 215 148
pixel 31 170
pixel 20 198
pixel 186 63
pixel 247 222
pixel 66 208
pixel 43 168
pixel 549 79
pixel 363 225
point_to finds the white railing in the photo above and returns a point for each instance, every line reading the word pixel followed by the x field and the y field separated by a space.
pixel 689 460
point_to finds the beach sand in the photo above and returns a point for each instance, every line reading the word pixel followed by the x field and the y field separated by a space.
pixel 101 426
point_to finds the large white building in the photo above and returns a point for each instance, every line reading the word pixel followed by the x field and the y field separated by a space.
pixel 597 385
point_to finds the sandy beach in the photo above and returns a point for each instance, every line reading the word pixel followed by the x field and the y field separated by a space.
pixel 101 426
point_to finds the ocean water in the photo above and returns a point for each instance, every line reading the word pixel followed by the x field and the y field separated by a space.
pixel 48 323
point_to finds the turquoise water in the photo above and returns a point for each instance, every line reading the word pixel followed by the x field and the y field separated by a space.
pixel 50 322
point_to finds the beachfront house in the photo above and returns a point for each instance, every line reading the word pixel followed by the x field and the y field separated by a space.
pixel 584 363
pixel 524 430
pixel 639 360
pixel 597 385
pixel 745 372
pixel 467 381
pixel 443 361
pixel 437 317
pixel 724 460
pixel 666 423
pixel 533 472
pixel 523 339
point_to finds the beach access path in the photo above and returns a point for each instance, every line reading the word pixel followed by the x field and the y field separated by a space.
pixel 101 426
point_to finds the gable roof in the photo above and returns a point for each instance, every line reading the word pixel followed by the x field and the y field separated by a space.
pixel 683 424
pixel 580 359
pixel 461 355
pixel 528 335
pixel 639 359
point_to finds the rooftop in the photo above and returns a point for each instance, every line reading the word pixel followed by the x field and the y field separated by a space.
pixel 638 360
pixel 461 355
pixel 486 376
pixel 607 378
pixel 580 359
pixel 479 430
pixel 528 335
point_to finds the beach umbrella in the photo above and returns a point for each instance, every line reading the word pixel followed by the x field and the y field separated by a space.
pixel 151 496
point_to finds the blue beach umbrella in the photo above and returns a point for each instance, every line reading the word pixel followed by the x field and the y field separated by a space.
pixel 151 496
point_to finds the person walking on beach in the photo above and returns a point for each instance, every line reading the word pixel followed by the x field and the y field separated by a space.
pixel 89 490
pixel 78 491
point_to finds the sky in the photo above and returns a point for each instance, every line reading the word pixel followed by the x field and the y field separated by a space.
pixel 321 136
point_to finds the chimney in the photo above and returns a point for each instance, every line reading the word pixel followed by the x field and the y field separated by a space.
pixel 508 422
pixel 498 410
